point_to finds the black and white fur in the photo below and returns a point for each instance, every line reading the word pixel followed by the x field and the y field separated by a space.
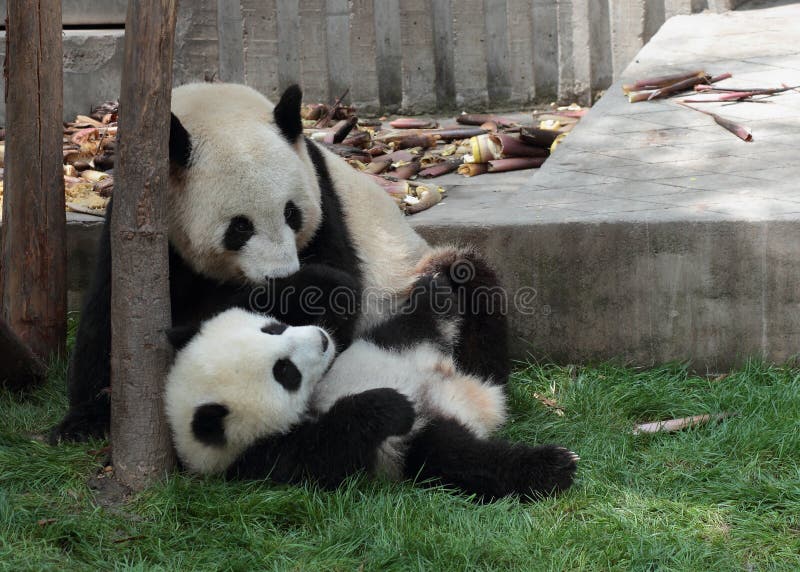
pixel 257 216
pixel 222 379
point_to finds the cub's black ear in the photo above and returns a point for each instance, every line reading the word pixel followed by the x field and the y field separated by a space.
pixel 180 144
pixel 208 424
pixel 179 336
pixel 287 113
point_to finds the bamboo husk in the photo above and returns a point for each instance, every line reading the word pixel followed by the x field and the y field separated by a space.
pixel 483 149
pixel 378 165
pixel 358 139
pixel 425 199
pixel 515 164
pixel 457 133
pixel 481 118
pixel 473 169
pixel 339 131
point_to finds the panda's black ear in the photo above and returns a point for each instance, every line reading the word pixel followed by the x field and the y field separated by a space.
pixel 179 336
pixel 287 113
pixel 180 144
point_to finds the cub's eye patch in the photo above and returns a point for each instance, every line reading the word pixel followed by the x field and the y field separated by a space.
pixel 293 216
pixel 239 231
pixel 287 374
pixel 274 329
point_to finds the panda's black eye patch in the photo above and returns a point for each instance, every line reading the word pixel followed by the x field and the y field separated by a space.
pixel 293 216
pixel 274 329
pixel 287 374
pixel 239 231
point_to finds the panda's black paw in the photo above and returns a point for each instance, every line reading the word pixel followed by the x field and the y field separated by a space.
pixel 81 423
pixel 390 412
pixel 545 470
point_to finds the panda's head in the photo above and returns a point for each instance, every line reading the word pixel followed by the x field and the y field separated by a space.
pixel 243 196
pixel 241 377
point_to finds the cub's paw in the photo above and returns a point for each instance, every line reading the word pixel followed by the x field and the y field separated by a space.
pixel 80 424
pixel 546 470
pixel 463 267
pixel 391 412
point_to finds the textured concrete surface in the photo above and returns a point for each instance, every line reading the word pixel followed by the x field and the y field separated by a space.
pixel 417 56
pixel 653 234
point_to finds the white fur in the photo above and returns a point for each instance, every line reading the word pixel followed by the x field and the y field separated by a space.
pixel 230 362
pixel 427 377
pixel 242 165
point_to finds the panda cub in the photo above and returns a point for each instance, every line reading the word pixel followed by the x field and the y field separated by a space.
pixel 253 398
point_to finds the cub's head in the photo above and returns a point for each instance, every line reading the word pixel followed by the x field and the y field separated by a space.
pixel 241 377
pixel 243 195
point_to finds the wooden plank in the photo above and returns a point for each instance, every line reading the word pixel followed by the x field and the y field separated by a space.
pixel 287 18
pixel 196 43
pixel 338 46
pixel 497 57
pixel 419 71
pixel 389 55
pixel 34 256
pixel 260 40
pixel 545 49
pixel 676 8
pixel 140 299
pixel 469 54
pixel 519 19
pixel 627 32
pixel 602 65
pixel 229 34
pixel 443 53
pixel 364 71
pixel 313 59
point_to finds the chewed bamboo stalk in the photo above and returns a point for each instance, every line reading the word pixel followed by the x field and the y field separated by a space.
pixel 339 131
pixel 406 171
pixel 473 169
pixel 358 139
pixel 741 131
pixel 413 123
pixel 378 165
pixel 539 137
pixel 455 133
pixel 510 146
pixel 659 81
pixel 481 118
pixel 440 169
pixel 425 199
pixel 679 86
pixel 677 424
pixel 515 164
pixel 410 140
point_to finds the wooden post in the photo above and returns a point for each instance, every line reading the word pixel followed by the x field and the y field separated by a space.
pixel 19 368
pixel 140 305
pixel 34 252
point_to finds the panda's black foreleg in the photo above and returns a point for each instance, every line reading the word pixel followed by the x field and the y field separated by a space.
pixel 88 373
pixel 482 345
pixel 332 447
pixel 445 452
pixel 317 294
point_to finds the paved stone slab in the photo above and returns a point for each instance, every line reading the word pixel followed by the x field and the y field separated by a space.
pixel 652 233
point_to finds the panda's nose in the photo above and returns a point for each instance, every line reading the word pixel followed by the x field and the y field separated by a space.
pixel 325 341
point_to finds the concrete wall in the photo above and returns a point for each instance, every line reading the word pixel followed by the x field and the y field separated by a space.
pixel 413 56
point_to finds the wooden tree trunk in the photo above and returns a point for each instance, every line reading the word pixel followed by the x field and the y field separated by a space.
pixel 140 305
pixel 19 368
pixel 34 255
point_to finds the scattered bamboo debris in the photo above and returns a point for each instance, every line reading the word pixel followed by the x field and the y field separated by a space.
pixel 399 154
pixel 706 90
pixel 678 424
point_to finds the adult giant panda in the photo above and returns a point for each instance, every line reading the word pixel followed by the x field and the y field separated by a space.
pixel 256 208
pixel 247 397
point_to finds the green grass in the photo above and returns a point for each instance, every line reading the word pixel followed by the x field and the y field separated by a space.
pixel 720 497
